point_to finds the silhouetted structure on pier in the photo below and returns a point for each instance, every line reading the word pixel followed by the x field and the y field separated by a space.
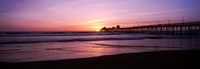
pixel 189 28
pixel 104 29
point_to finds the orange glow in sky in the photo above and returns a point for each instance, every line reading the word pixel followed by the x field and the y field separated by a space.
pixel 96 24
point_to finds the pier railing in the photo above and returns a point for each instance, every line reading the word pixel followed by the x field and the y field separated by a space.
pixel 189 28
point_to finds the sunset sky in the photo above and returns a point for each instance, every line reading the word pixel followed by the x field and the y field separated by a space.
pixel 91 15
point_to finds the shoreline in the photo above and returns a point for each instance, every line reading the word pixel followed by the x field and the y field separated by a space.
pixel 157 59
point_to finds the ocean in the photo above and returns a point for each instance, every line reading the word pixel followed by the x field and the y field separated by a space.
pixel 45 46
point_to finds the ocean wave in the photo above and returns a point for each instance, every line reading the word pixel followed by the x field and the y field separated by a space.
pixel 89 37
pixel 13 34
pixel 134 46
pixel 79 39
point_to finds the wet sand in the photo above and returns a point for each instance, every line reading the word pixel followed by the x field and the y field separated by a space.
pixel 179 59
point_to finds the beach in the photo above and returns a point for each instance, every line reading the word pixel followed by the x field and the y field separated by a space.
pixel 179 59
pixel 92 50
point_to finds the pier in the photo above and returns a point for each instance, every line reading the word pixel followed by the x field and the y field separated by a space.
pixel 189 28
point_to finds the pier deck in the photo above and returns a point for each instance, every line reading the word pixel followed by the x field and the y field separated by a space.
pixel 189 28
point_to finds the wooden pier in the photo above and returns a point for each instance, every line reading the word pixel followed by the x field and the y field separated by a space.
pixel 189 28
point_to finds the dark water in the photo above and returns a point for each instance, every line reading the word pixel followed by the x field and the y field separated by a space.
pixel 43 46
